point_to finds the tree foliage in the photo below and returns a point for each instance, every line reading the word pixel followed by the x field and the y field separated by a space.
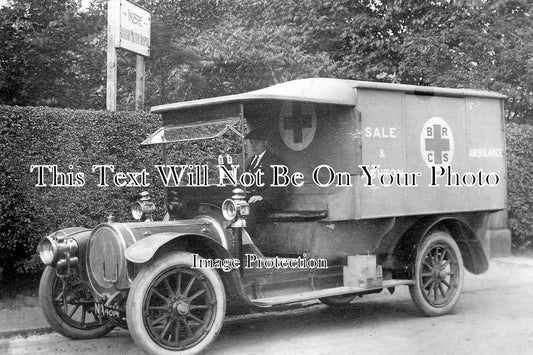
pixel 49 54
pixel 54 54
pixel 487 45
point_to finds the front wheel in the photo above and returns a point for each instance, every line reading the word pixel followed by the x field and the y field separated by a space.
pixel 438 274
pixel 68 306
pixel 175 308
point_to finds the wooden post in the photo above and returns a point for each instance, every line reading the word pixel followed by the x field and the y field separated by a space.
pixel 243 141
pixel 139 84
pixel 128 27
pixel 113 23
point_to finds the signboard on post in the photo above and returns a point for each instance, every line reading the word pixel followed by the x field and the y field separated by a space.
pixel 128 27
pixel 134 28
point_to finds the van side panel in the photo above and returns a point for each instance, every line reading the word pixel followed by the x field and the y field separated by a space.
pixel 382 136
pixel 425 151
pixel 486 150
pixel 436 154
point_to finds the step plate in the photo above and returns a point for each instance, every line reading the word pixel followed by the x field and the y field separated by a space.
pixel 336 291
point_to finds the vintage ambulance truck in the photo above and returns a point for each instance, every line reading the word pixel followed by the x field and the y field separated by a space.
pixel 387 185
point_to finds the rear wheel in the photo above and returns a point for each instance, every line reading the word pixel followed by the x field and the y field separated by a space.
pixel 68 306
pixel 174 308
pixel 438 273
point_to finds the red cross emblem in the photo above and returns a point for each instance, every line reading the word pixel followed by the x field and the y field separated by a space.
pixel 297 124
pixel 436 142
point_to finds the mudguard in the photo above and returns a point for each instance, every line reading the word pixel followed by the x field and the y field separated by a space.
pixel 475 260
pixel 143 250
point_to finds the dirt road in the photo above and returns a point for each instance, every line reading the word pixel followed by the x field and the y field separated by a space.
pixel 493 316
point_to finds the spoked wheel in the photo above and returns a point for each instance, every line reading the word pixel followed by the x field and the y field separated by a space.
pixel 174 308
pixel 438 274
pixel 337 301
pixel 68 306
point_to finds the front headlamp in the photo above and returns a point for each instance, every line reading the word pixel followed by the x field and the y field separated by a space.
pixel 235 206
pixel 48 250
pixel 57 246
pixel 229 209
pixel 143 209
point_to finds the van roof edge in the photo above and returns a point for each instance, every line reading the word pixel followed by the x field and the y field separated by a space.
pixel 322 90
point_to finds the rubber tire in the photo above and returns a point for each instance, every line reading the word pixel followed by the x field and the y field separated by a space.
pixel 46 301
pixel 134 308
pixel 337 301
pixel 417 296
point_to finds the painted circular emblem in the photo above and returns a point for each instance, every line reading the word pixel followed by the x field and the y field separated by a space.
pixel 436 142
pixel 297 124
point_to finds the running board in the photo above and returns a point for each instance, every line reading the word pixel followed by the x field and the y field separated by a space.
pixel 336 291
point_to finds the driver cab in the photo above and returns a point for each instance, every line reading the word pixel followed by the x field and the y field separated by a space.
pixel 313 133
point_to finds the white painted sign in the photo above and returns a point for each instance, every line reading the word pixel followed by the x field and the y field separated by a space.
pixel 436 142
pixel 134 30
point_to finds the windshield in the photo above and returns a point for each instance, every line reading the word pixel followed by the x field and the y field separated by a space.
pixel 193 131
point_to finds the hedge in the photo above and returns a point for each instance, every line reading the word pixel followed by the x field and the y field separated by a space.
pixel 520 185
pixel 81 138
pixel 74 140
